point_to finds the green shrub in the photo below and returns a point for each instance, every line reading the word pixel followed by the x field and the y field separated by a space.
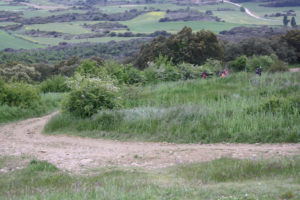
pixel 55 84
pixel 19 95
pixel 278 66
pixel 19 72
pixel 212 65
pixel 256 61
pixel 165 70
pixel 133 75
pixel 89 95
pixel 89 68
pixel 239 64
pixel 189 71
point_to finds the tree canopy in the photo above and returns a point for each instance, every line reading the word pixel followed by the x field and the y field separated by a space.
pixel 185 46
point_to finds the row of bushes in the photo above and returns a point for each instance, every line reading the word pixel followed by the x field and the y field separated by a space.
pixel 268 63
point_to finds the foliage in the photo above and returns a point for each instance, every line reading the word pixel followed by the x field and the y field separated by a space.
pixel 286 21
pixel 283 47
pixel 185 46
pixel 256 61
pixel 89 68
pixel 293 22
pixel 54 84
pixel 19 95
pixel 278 66
pixel 239 64
pixel 49 102
pixel 90 95
pixel 293 39
pixel 19 72
pixel 231 109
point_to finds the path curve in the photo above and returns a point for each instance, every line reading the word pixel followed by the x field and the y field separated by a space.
pixel 248 12
pixel 76 154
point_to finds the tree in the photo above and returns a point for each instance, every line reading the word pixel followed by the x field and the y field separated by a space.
pixel 185 46
pixel 242 9
pixel 293 22
pixel 285 20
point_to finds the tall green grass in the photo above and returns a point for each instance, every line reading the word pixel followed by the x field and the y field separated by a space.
pixel 49 103
pixel 240 108
pixel 212 180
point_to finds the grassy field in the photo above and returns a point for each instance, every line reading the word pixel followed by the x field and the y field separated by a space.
pixel 56 41
pixel 9 41
pixel 146 23
pixel 67 27
pixel 49 103
pixel 219 179
pixel 241 108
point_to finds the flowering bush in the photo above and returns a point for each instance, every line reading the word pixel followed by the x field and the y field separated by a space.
pixel 89 95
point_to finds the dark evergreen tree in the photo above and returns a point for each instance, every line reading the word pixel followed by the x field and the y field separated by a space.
pixel 285 20
pixel 293 22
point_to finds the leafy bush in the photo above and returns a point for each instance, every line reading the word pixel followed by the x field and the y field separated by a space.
pixel 89 68
pixel 19 72
pixel 55 84
pixel 190 71
pixel 133 75
pixel 89 95
pixel 164 69
pixel 239 64
pixel 264 61
pixel 19 94
pixel 278 66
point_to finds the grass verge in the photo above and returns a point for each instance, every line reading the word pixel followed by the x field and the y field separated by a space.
pixel 225 179
pixel 50 102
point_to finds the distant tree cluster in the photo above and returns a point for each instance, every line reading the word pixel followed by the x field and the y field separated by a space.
pixel 185 46
pixel 286 21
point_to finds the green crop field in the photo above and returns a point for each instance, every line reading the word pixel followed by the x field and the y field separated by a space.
pixel 148 23
pixel 56 41
pixel 9 41
pixel 65 27
pixel 145 23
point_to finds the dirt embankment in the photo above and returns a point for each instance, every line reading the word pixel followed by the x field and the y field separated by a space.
pixel 76 154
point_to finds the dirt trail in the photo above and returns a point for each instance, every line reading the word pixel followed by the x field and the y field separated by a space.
pixel 76 154
pixel 248 12
pixel 294 70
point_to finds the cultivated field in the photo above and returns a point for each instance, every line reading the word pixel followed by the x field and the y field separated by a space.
pixel 147 22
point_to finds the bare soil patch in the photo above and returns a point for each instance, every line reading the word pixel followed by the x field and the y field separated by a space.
pixel 76 154
pixel 295 70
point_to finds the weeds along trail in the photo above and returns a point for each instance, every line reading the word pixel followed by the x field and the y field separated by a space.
pixel 76 154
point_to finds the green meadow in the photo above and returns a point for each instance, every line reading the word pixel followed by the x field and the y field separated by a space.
pixel 9 41
pixel 219 179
